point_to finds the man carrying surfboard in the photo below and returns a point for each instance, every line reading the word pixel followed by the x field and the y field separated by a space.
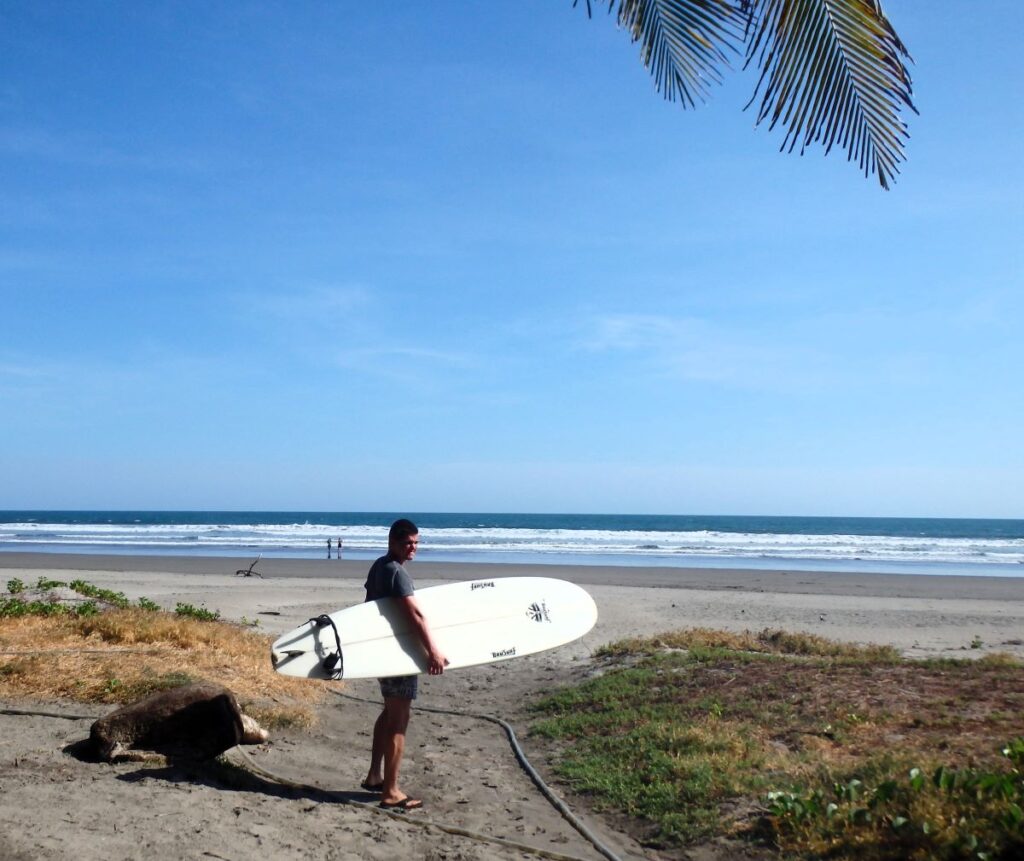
pixel 389 579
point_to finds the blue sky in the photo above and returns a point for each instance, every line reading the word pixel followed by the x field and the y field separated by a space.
pixel 462 257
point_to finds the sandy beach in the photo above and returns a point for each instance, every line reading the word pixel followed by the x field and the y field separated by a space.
pixel 53 805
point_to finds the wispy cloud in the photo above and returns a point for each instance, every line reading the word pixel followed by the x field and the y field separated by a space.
pixel 24 371
pixel 309 303
pixel 352 327
pixel 700 350
pixel 367 356
pixel 78 148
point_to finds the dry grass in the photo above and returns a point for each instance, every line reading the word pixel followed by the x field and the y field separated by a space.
pixel 768 641
pixel 120 655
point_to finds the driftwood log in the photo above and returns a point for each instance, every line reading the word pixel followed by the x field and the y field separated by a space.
pixel 194 722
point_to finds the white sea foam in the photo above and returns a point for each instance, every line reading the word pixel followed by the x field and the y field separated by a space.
pixel 311 539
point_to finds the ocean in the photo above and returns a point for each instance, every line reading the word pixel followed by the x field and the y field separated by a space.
pixel 870 544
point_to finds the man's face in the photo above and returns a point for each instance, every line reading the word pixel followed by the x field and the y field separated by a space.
pixel 404 549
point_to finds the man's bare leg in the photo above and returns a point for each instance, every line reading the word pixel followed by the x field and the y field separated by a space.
pixel 396 722
pixel 375 777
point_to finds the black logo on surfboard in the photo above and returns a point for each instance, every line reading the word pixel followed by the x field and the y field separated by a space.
pixel 538 611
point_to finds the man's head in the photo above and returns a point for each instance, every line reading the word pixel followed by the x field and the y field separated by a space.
pixel 403 540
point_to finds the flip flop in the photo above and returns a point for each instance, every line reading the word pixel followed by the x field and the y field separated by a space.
pixel 404 804
pixel 371 787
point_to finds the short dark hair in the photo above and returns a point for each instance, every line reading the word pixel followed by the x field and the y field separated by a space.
pixel 402 529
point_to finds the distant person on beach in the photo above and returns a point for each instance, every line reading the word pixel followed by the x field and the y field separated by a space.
pixel 389 579
pixel 328 548
pixel 339 547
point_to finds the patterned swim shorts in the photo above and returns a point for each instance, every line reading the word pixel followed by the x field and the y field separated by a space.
pixel 399 687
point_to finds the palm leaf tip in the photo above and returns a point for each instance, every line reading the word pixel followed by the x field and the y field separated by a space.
pixel 834 72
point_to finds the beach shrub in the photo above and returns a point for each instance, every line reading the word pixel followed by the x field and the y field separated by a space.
pixel 146 604
pixel 51 605
pixel 107 596
pixel 199 613
pixel 15 607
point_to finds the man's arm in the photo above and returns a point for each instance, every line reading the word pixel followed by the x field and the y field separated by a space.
pixel 436 661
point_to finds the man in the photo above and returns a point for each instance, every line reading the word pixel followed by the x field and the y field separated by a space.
pixel 389 579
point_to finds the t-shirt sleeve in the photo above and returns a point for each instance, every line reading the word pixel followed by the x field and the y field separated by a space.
pixel 401 585
pixel 388 579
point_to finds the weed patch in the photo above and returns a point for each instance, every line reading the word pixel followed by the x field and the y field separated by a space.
pixel 200 613
pixel 846 751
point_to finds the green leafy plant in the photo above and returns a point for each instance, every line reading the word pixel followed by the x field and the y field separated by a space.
pixel 200 613
pixel 15 586
pixel 956 813
pixel 14 607
pixel 107 596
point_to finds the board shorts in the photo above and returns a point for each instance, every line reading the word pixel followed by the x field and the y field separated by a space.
pixel 399 687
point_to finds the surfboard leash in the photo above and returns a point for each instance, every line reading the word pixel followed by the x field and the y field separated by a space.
pixel 334 663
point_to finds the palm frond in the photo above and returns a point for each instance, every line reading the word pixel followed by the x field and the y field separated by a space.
pixel 684 43
pixel 832 71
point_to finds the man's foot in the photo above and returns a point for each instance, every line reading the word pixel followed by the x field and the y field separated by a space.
pixel 404 804
pixel 371 787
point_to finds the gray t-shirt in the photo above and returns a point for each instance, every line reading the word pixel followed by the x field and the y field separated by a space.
pixel 388 579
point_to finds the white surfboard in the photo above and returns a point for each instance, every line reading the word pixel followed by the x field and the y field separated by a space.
pixel 476 622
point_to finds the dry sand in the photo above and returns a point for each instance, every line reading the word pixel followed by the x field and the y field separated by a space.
pixel 53 805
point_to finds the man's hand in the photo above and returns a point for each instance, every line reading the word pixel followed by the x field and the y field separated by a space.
pixel 436 662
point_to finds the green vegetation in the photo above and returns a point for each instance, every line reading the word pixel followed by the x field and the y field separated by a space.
pixel 107 596
pixel 815 749
pixel 15 607
pixel 199 613
pixel 47 604
pixel 958 813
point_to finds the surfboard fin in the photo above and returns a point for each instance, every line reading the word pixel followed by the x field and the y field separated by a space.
pixel 278 659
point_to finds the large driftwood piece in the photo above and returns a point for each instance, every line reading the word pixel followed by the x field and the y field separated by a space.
pixel 196 722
